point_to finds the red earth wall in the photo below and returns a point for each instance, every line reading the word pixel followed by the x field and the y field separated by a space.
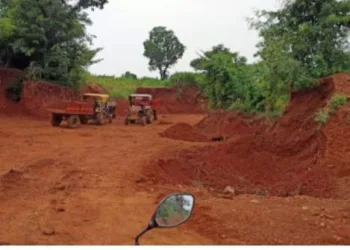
pixel 173 100
pixel 37 97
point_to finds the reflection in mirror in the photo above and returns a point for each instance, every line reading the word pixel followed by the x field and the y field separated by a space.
pixel 174 210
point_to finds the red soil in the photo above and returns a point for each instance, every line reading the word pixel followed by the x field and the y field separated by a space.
pixel 228 124
pixel 185 132
pixel 290 158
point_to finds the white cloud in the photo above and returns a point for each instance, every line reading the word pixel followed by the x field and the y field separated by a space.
pixel 123 25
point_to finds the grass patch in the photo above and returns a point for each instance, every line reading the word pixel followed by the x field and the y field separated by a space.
pixel 332 107
pixel 122 87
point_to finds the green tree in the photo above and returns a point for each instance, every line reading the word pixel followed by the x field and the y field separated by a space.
pixel 163 49
pixel 130 75
pixel 48 34
pixel 313 33
pixel 229 82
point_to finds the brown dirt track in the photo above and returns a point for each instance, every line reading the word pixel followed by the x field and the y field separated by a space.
pixel 99 185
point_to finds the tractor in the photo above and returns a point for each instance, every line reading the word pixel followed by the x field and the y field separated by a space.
pixel 142 109
pixel 96 107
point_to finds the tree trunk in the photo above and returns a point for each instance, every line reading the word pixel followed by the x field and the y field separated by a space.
pixel 163 74
pixel 9 61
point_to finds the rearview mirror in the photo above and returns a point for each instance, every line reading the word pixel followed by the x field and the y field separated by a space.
pixel 174 210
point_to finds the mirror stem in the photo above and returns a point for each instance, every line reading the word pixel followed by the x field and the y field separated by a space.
pixel 137 243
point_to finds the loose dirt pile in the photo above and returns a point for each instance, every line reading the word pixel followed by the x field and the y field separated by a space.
pixel 289 159
pixel 219 126
pixel 228 124
pixel 184 132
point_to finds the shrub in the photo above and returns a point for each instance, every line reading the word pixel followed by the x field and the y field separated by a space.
pixel 336 102
pixel 321 117
pixel 14 91
pixel 184 80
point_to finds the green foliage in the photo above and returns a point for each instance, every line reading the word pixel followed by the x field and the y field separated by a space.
pixel 123 87
pixel 185 80
pixel 163 49
pixel 301 42
pixel 322 117
pixel 50 35
pixel 310 37
pixel 228 81
pixel 129 75
pixel 14 91
pixel 336 102
pixel 333 106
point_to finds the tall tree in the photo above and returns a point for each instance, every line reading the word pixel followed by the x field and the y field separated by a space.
pixel 229 82
pixel 314 33
pixel 49 34
pixel 163 49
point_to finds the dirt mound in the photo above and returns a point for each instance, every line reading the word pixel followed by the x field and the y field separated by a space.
pixel 228 124
pixel 10 179
pixel 184 132
pixel 173 100
pixel 288 159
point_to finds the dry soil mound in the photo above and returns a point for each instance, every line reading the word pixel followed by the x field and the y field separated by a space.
pixel 184 132
pixel 288 159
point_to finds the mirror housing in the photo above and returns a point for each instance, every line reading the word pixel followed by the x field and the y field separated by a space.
pixel 174 210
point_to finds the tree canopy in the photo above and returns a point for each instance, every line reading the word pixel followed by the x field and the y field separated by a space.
pixel 301 42
pixel 47 37
pixel 163 49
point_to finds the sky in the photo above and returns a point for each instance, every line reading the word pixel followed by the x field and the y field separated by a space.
pixel 123 25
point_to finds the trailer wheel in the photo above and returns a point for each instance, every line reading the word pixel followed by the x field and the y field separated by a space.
pixel 73 121
pixel 56 120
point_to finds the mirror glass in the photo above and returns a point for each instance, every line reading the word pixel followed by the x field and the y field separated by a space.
pixel 174 210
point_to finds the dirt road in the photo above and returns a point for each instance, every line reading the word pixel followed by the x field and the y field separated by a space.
pixel 86 186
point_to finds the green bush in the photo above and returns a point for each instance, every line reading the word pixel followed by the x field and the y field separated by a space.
pixel 14 91
pixel 184 80
pixel 333 106
pixel 336 102
pixel 322 117
pixel 122 87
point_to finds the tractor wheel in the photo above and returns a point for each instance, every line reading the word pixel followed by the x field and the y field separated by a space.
pixel 100 119
pixel 83 119
pixel 143 120
pixel 149 117
pixel 73 121
pixel 56 120
pixel 127 121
